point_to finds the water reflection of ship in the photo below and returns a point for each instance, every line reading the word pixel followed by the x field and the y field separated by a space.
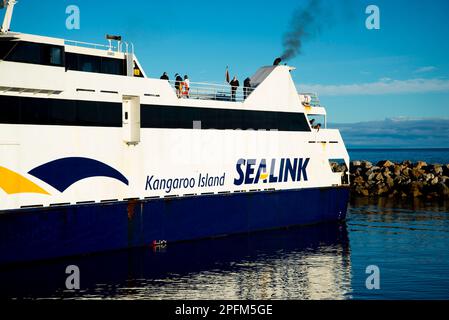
pixel 301 263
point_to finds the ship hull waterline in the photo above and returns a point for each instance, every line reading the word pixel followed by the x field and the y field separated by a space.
pixel 47 233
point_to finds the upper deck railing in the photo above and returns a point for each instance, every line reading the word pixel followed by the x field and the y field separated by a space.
pixel 312 98
pixel 210 91
pixel 122 46
pixel 90 45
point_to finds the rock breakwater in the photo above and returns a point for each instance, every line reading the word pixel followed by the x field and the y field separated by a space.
pixel 404 180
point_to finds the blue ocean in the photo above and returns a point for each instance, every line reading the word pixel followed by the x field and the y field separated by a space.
pixel 431 156
pixel 405 241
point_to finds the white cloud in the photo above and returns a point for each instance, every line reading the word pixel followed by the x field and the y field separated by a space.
pixel 381 87
pixel 425 69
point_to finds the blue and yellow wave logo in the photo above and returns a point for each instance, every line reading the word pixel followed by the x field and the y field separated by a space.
pixel 60 174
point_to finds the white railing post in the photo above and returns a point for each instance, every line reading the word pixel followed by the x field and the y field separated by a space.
pixel 8 16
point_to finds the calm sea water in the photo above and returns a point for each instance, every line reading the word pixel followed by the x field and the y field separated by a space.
pixel 432 156
pixel 408 241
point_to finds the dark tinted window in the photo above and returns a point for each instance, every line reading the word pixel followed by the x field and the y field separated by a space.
pixel 5 48
pixel 221 119
pixel 112 66
pixel 55 56
pixel 87 63
pixel 37 111
pixel 18 110
pixel 36 53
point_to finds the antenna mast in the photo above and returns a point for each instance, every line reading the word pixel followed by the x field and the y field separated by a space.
pixel 8 15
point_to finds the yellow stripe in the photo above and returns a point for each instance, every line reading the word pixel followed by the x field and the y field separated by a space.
pixel 14 183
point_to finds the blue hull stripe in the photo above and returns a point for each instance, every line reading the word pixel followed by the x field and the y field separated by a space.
pixel 44 233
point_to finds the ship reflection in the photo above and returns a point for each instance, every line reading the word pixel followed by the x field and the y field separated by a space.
pixel 299 263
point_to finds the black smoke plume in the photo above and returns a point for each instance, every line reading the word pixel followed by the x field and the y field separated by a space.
pixel 305 23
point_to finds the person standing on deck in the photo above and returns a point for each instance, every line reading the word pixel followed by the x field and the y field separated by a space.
pixel 234 86
pixel 165 76
pixel 186 87
pixel 178 85
pixel 246 88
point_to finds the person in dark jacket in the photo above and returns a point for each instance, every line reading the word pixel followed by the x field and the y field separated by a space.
pixel 246 88
pixel 165 76
pixel 234 86
pixel 178 85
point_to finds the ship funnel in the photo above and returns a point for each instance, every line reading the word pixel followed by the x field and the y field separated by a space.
pixel 277 61
pixel 9 5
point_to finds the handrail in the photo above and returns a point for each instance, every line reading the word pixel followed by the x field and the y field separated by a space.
pixel 94 45
pixel 211 91
pixel 314 100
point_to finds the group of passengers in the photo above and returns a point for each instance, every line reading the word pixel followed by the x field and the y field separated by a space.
pixel 235 84
pixel 182 86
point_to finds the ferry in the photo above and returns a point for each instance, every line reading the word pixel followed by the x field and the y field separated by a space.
pixel 97 156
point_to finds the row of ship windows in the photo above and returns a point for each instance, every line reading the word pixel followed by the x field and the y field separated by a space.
pixel 51 55
pixel 38 111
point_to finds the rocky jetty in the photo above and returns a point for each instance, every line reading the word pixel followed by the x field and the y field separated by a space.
pixel 405 179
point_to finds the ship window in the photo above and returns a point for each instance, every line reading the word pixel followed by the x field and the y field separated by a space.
pixel 38 111
pixel 221 119
pixel 112 66
pixel 5 48
pixel 87 63
pixel 55 54
pixel 35 53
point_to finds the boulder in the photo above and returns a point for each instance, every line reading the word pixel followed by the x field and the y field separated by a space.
pixel 417 173
pixel 443 190
pixel 397 170
pixel 382 190
pixel 367 164
pixel 385 163
pixel 390 182
pixel 359 181
pixel 416 188
pixel 362 191
pixel 446 170
pixel 371 177
pixel 406 171
pixel 406 163
pixel 356 163
pixel 436 169
pixel 420 164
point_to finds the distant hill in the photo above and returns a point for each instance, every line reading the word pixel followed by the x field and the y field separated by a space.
pixel 396 133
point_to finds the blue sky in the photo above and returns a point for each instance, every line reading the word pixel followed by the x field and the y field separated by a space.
pixel 401 70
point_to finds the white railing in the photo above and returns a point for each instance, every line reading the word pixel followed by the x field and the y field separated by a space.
pixel 210 91
pixel 314 100
pixel 89 45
